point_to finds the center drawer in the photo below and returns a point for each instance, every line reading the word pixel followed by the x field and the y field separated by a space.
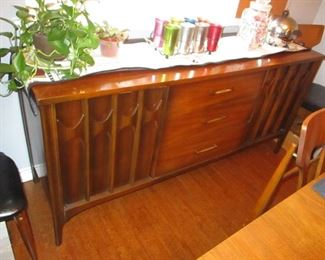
pixel 209 117
pixel 191 97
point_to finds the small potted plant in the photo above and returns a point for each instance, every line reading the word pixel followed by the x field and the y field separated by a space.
pixel 110 39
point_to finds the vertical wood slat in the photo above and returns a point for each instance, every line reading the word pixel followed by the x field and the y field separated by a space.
pixel 271 92
pixel 52 157
pixel 267 96
pixel 282 86
pixel 85 111
pixel 137 137
pixel 160 131
pixel 292 94
pixel 112 152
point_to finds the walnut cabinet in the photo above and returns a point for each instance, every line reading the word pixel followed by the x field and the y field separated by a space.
pixel 112 133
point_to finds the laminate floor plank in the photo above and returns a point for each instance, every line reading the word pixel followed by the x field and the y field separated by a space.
pixel 180 218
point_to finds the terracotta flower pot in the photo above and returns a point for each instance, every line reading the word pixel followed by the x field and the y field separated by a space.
pixel 109 48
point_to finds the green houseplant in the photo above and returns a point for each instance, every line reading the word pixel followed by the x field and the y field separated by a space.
pixel 65 28
pixel 110 38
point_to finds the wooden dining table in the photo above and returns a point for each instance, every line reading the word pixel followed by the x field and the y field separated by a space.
pixel 293 229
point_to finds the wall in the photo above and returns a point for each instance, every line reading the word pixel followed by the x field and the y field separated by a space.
pixel 140 20
pixel 12 139
pixel 311 11
pixel 140 14
pixel 320 19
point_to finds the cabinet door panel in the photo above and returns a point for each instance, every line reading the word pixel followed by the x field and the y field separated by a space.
pixel 127 110
pixel 282 90
pixel 153 107
pixel 72 152
pixel 100 135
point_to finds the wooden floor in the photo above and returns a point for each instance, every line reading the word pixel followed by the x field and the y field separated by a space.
pixel 180 218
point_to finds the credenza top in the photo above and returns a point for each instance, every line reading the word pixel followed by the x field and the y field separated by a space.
pixel 105 83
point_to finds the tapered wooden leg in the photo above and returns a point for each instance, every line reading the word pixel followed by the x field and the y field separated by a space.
pixel 270 188
pixel 25 229
pixel 321 164
pixel 58 227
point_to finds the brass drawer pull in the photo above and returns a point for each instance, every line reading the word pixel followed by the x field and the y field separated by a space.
pixel 222 91
pixel 215 119
pixel 206 149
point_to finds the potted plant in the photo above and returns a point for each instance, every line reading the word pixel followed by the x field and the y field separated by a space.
pixel 65 30
pixel 110 39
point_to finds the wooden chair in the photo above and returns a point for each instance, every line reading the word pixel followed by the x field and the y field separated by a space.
pixel 310 34
pixel 13 202
pixel 309 163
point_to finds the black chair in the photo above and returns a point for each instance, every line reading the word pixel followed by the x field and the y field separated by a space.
pixel 315 99
pixel 13 202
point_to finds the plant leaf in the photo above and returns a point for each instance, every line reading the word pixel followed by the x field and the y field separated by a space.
pixel 12 85
pixel 10 22
pixel 52 15
pixel 56 34
pixel 61 47
pixel 67 9
pixel 80 33
pixel 22 14
pixel 13 49
pixel 19 62
pixel 21 8
pixel 87 58
pixel 7 34
pixel 90 42
pixel 6 68
pixel 4 52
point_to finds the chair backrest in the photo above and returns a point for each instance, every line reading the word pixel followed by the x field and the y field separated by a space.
pixel 10 184
pixel 312 137
pixel 311 34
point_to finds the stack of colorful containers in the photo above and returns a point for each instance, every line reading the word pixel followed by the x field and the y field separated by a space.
pixel 186 36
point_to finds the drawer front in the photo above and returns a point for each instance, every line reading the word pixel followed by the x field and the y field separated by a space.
pixel 191 97
pixel 210 117
pixel 189 150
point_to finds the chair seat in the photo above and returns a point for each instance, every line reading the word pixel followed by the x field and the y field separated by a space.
pixel 10 207
pixel 316 98
pixel 13 202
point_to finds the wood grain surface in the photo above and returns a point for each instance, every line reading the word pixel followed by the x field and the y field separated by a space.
pixel 118 82
pixel 293 229
pixel 181 218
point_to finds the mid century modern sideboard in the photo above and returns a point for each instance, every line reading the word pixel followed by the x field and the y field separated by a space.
pixel 111 133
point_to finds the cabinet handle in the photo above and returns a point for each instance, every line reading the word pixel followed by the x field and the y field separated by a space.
pixel 206 149
pixel 215 119
pixel 75 125
pixel 222 91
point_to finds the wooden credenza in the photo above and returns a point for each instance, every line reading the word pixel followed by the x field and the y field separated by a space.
pixel 112 133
